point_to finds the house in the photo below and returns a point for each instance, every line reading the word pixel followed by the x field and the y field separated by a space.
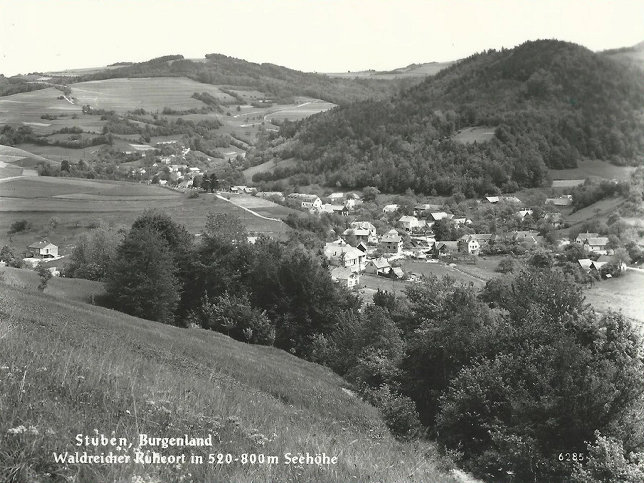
pixel 564 200
pixel 363 231
pixel 527 237
pixel 391 243
pixel 390 208
pixel 555 219
pixel 461 221
pixel 424 208
pixel 351 203
pixel 336 197
pixel 337 209
pixel 606 259
pixel 443 249
pixel 410 223
pixel 345 255
pixel 585 263
pixel 469 244
pixel 311 202
pixel 594 243
pixel 44 249
pixel 523 213
pixel 378 266
pixel 345 277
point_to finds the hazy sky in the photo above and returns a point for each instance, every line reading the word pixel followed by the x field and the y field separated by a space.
pixel 309 35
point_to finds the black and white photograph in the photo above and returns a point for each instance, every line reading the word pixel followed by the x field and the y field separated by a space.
pixel 321 241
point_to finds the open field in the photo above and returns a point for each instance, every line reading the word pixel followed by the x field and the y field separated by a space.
pixel 601 209
pixel 58 154
pixel 151 94
pixel 440 269
pixel 87 370
pixel 268 166
pixel 262 206
pixel 593 169
pixel 567 183
pixel 12 157
pixel 625 293
pixel 478 134
pixel 79 203
pixel 29 106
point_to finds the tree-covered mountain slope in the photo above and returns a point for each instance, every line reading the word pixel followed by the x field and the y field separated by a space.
pixel 548 103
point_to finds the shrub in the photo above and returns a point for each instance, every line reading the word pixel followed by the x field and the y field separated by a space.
pixel 19 226
pixel 398 411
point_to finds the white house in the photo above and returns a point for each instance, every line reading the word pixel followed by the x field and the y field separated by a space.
pixel 345 276
pixel 346 256
pixel 469 244
pixel 410 223
pixel 44 249
pixel 391 243
pixel 307 201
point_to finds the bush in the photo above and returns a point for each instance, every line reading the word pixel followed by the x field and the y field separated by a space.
pixel 398 411
pixel 193 194
pixel 19 226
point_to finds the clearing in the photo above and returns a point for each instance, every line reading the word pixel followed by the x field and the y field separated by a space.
pixel 593 168
pixel 479 134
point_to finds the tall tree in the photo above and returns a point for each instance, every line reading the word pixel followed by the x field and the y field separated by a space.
pixel 142 279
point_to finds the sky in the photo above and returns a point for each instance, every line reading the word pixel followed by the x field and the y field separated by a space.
pixel 307 35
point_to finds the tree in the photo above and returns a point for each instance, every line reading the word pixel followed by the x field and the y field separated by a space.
pixel 225 226
pixel 45 275
pixel 8 255
pixel 142 279
pixel 369 193
pixel 94 253
pixel 65 166
pixel 507 265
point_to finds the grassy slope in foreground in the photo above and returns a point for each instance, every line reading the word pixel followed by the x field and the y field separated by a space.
pixel 68 368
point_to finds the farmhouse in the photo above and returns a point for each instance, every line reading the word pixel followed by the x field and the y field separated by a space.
pixel 378 266
pixel 44 249
pixel 345 277
pixel 337 209
pixel 345 255
pixel 391 243
pixel 424 208
pixel 364 231
pixel 443 249
pixel 307 201
pixel 469 244
pixel 606 259
pixel 410 223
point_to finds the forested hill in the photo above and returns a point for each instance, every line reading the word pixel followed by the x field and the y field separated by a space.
pixel 548 103
pixel 279 82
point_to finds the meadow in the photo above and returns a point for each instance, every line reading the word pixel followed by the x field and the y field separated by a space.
pixel 69 368
pixel 77 204
pixel 625 293
pixel 593 168
pixel 470 135
pixel 151 94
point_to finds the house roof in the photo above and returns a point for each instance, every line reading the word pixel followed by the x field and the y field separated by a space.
pixel 390 208
pixel 598 241
pixel 332 250
pixel 389 238
pixel 440 215
pixel 341 273
pixel 380 262
pixel 585 236
pixel 398 271
pixel 585 262
pixel 363 225
pixel 41 244
pixel 407 218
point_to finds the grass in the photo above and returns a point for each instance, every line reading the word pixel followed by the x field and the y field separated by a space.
pixel 624 293
pixel 68 368
pixel 78 203
pixel 470 135
pixel 599 210
pixel 593 169
pixel 151 94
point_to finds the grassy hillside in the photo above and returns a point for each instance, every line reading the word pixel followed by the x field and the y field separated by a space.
pixel 275 81
pixel 544 104
pixel 68 368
